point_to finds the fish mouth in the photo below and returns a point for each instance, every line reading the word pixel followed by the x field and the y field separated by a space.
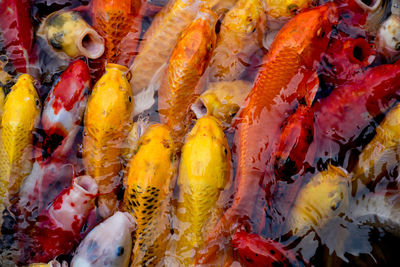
pixel 199 108
pixel 90 44
pixel 369 5
pixel 86 184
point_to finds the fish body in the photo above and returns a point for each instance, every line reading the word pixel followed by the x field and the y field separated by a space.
pixel 296 136
pixel 187 64
pixel 17 33
pixel 288 74
pixel 275 90
pixel 204 172
pixel 64 107
pixel 62 117
pixel 254 250
pixel 58 229
pixel 382 151
pixel 322 198
pixel 21 114
pixel 341 117
pixel 119 23
pixel 160 40
pixel 108 120
pixel 108 244
pixel 151 179
pixel 222 100
pixel 240 36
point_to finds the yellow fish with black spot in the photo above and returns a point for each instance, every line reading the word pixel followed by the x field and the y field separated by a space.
pixel 108 120
pixel 204 172
pixel 21 114
pixel 151 179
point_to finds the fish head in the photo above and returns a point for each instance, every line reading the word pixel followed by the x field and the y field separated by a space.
pixel 110 106
pixel 65 104
pixel 308 33
pixel 197 41
pixel 109 244
pixel 208 132
pixel 324 197
pixel 22 105
pixel 287 8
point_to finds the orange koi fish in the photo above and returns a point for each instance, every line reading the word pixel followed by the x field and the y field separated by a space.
pixel 188 62
pixel 288 75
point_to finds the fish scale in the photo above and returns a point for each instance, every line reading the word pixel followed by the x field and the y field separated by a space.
pixel 151 177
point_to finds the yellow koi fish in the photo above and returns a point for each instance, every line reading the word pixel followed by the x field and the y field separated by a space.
pixel 108 120
pixel 151 178
pixel 222 100
pixel 186 66
pixel 325 196
pixel 382 152
pixel 21 114
pixel 204 171
pixel 240 36
pixel 284 9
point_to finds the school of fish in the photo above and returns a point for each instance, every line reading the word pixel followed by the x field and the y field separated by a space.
pixel 199 132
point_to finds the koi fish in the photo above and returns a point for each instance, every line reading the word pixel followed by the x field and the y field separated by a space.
pixel 160 39
pixel 344 115
pixel 325 196
pixel 119 23
pixel 204 172
pixel 108 120
pixel 21 114
pixel 2 96
pixel 284 9
pixel 61 119
pixel 108 244
pixel 382 151
pixel 17 32
pixel 346 58
pixel 254 250
pixel 151 179
pixel 296 137
pixel 64 107
pixel 58 229
pixel 240 36
pixel 288 74
pixel 70 36
pixel 222 100
pixel 188 62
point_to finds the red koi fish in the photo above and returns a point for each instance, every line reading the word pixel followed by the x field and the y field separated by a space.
pixel 345 58
pixel 296 137
pixel 288 74
pixel 61 119
pixel 256 251
pixel 58 229
pixel 17 32
pixel 341 117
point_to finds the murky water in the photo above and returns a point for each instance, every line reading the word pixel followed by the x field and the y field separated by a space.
pixel 364 229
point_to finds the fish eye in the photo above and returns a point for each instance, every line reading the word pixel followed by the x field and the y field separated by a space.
pixel 37 103
pixel 335 205
pixel 120 251
pixel 130 99
pixel 320 33
pixel 293 8
pixel 397 47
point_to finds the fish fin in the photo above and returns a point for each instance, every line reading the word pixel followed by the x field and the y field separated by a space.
pixel 145 99
pixel 309 87
pixel 338 170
